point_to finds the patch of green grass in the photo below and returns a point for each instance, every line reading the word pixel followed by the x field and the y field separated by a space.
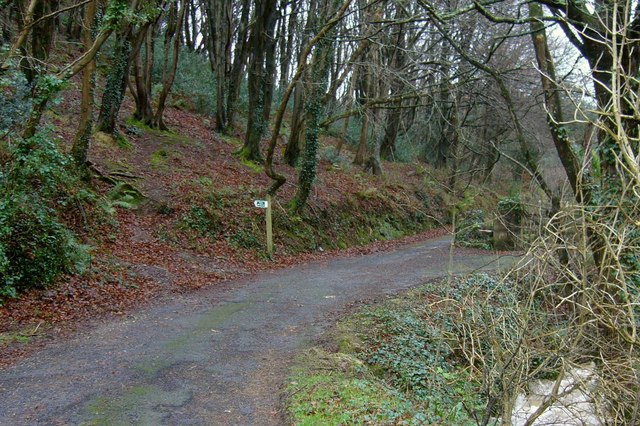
pixel 254 167
pixel 395 364
pixel 231 140
pixel 7 338
pixel 132 406
pixel 123 142
pixel 138 124
pixel 169 137
pixel 204 181
pixel 159 159
pixel 339 391
pixel 125 195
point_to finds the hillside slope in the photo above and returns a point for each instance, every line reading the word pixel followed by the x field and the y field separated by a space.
pixel 182 217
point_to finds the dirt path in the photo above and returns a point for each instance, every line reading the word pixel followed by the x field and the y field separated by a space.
pixel 211 357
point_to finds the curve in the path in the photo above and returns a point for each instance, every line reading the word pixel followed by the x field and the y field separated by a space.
pixel 213 357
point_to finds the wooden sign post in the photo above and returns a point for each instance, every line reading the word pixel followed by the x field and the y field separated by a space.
pixel 266 204
pixel 269 227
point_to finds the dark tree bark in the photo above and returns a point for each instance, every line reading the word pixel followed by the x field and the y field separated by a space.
pixel 42 33
pixel 363 92
pixel 361 153
pixel 294 146
pixel 563 145
pixel 239 59
pixel 116 83
pixel 80 148
pixel 219 25
pixel 74 23
pixel 169 70
pixel 394 116
pixel 286 47
pixel 444 110
pixel 188 35
pixel 142 72
pixel 320 68
pixel 265 14
pixel 296 141
pixel 270 69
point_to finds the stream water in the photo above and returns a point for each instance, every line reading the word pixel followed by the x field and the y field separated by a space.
pixel 573 406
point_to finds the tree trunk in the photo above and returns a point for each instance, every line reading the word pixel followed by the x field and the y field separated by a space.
pixel 237 69
pixel 388 144
pixel 80 148
pixel 286 49
pixel 219 24
pixel 294 146
pixel 42 33
pixel 142 74
pixel 320 68
pixel 188 36
pixel 265 13
pixel 361 153
pixel 345 125
pixel 170 72
pixel 116 84
pixel 269 70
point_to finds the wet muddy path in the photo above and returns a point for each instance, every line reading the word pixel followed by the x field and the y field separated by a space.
pixel 213 357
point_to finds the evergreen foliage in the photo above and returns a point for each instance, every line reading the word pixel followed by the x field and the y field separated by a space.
pixel 38 191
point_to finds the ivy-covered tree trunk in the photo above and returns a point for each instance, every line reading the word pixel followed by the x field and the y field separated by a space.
pixel 116 84
pixel 265 13
pixel 293 148
pixel 320 68
pixel 80 147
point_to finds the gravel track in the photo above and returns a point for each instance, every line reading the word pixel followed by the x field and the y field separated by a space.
pixel 213 357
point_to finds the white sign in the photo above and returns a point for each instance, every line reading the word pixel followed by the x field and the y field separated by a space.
pixel 261 204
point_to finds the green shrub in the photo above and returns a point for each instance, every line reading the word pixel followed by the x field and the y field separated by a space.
pixel 472 231
pixel 14 101
pixel 203 219
pixel 512 209
pixel 245 239
pixel 37 191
